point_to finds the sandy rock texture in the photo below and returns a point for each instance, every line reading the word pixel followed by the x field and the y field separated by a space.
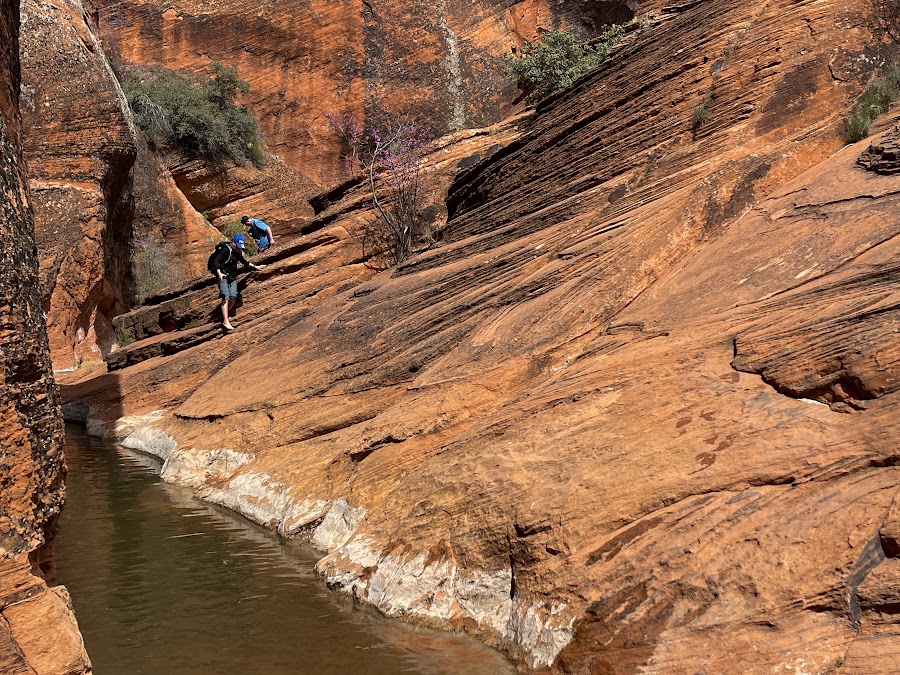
pixel 275 193
pixel 38 633
pixel 636 411
pixel 303 59
pixel 80 145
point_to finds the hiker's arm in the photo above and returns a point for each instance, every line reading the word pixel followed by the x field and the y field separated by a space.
pixel 247 263
pixel 271 236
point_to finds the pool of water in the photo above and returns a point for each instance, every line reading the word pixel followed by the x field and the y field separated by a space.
pixel 163 583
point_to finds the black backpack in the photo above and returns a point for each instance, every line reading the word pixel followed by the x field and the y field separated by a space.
pixel 222 245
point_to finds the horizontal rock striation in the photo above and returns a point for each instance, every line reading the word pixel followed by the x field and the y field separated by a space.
pixel 38 633
pixel 164 216
pixel 635 412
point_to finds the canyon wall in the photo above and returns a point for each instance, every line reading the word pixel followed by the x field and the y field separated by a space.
pixel 303 59
pixel 635 412
pixel 80 144
pixel 38 633
pixel 164 216
pixel 98 190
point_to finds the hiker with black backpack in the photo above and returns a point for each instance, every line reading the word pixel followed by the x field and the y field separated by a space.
pixel 261 233
pixel 223 263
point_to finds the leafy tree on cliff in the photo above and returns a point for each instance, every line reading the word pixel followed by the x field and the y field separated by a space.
pixel 558 59
pixel 390 155
pixel 197 117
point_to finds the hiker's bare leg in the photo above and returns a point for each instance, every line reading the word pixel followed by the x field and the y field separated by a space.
pixel 226 305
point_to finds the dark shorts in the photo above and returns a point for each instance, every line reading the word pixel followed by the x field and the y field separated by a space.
pixel 228 289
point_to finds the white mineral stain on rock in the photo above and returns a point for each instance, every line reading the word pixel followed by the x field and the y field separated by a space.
pixel 255 496
pixel 121 428
pixel 339 525
pixel 413 586
pixel 195 468
pixel 152 441
pixel 301 515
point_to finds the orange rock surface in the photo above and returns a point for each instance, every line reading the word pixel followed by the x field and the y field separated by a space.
pixel 38 633
pixel 635 412
pixel 80 145
pixel 164 214
pixel 303 59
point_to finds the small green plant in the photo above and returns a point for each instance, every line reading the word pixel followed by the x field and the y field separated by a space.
pixel 874 102
pixel 152 267
pixel 234 227
pixel 838 662
pixel 558 59
pixel 701 112
pixel 124 336
pixel 195 116
pixel 855 127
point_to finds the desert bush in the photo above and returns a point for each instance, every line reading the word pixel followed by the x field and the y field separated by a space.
pixel 558 59
pixel 702 111
pixel 874 101
pixel 234 227
pixel 855 127
pixel 391 158
pixel 193 115
pixel 153 267
pixel 124 336
pixel 352 136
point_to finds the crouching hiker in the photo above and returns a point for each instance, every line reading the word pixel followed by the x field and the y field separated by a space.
pixel 223 263
pixel 261 233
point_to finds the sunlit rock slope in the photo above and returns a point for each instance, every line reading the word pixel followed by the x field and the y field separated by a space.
pixel 38 633
pixel 636 412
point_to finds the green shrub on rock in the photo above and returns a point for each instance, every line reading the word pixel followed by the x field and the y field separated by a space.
pixel 855 127
pixel 234 227
pixel 874 102
pixel 195 116
pixel 153 267
pixel 558 59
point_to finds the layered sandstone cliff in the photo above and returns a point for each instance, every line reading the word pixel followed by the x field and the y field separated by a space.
pixel 303 59
pixel 38 633
pixel 98 192
pixel 636 411
pixel 80 144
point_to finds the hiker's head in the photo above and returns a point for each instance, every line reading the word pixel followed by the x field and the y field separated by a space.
pixel 245 220
pixel 238 241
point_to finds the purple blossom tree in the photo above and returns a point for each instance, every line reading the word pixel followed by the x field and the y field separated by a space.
pixel 391 158
pixel 351 134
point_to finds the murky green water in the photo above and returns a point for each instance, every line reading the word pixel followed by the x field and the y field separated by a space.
pixel 162 583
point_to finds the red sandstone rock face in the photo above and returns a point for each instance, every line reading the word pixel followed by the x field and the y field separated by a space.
pixel 303 59
pixel 80 146
pixel 164 214
pixel 636 412
pixel 38 632
pixel 276 193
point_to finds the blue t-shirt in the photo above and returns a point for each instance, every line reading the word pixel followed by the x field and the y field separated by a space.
pixel 258 229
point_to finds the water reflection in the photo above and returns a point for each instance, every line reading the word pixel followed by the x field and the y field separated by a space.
pixel 162 583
